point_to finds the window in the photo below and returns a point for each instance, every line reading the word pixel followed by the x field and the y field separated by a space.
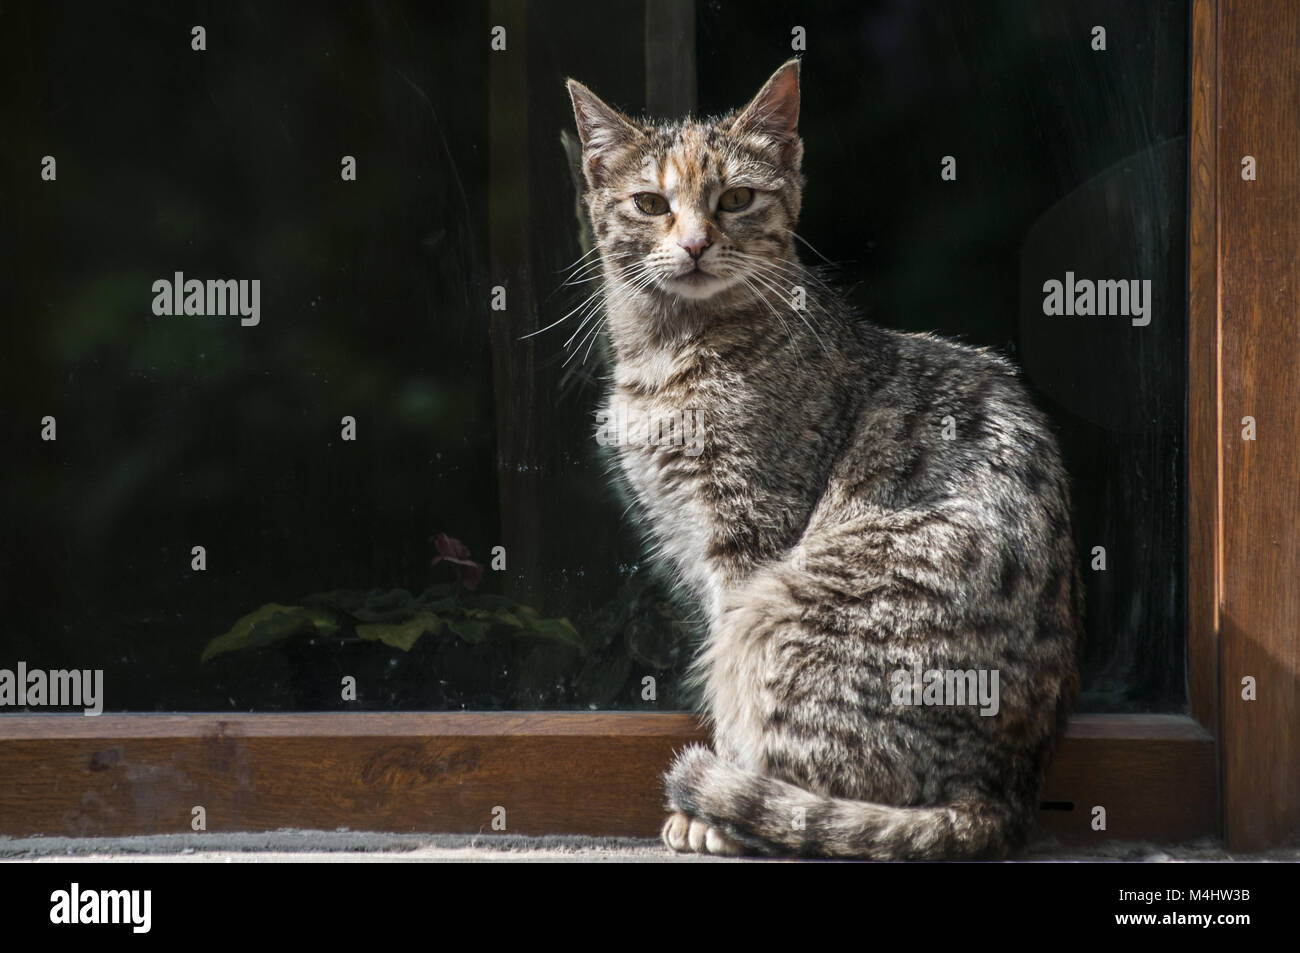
pixel 376 477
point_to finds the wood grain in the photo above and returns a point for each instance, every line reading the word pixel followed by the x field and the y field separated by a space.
pixel 1259 234
pixel 579 773
pixel 1153 774
pixel 1203 425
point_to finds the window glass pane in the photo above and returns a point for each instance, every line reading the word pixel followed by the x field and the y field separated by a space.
pixel 240 511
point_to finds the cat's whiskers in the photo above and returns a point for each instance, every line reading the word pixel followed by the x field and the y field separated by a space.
pixel 590 336
pixel 586 263
pixel 597 302
pixel 640 276
pixel 793 269
pixel 583 271
pixel 591 305
pixel 594 335
pixel 591 297
pixel 587 280
pixel 596 269
pixel 757 293
pixel 591 300
pixel 587 316
pixel 807 244
pixel 573 353
pixel 581 258
pixel 769 275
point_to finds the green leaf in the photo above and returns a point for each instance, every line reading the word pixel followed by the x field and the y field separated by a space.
pixel 396 605
pixel 500 616
pixel 402 635
pixel 471 632
pixel 270 624
pixel 560 629
pixel 441 606
pixel 442 590
pixel 326 620
pixel 378 600
pixel 390 616
pixel 507 618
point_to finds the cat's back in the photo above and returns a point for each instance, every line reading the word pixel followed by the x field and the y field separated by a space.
pixel 952 488
pixel 955 421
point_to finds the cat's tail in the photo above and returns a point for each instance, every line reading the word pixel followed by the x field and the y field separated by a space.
pixel 770 816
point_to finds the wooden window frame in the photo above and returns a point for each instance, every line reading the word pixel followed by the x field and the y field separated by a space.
pixel 1228 768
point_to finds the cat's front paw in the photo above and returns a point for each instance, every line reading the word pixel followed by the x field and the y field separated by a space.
pixel 686 834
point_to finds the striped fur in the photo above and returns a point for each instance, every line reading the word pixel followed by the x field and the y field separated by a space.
pixel 866 502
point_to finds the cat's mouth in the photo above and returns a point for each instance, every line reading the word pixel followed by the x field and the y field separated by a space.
pixel 696 283
pixel 696 275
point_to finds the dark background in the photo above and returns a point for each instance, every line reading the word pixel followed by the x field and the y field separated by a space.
pixel 183 431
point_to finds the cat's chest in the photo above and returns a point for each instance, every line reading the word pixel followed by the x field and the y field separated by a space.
pixel 667 449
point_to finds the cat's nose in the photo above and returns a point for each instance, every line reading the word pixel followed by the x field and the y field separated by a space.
pixel 694 246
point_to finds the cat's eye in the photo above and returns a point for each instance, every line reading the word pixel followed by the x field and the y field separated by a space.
pixel 733 200
pixel 650 203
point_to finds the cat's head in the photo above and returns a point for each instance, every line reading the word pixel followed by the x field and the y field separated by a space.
pixel 698 207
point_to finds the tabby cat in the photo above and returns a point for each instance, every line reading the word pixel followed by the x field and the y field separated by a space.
pixel 876 526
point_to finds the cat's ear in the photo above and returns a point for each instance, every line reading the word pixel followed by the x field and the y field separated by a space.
pixel 602 129
pixel 774 113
